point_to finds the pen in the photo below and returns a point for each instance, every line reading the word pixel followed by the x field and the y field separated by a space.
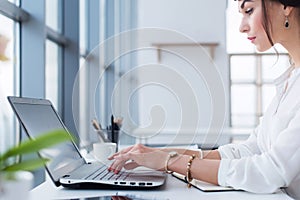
pixel 99 131
pixel 96 125
pixel 112 129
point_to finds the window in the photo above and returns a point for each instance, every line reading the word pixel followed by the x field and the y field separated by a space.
pixel 251 73
pixel 48 62
pixel 53 14
pixel 53 51
pixel 53 74
pixel 43 60
pixel 98 26
pixel 8 79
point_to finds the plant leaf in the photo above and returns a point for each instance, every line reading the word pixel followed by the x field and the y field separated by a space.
pixel 27 165
pixel 34 145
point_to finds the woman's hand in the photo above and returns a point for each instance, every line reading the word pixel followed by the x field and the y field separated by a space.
pixel 138 155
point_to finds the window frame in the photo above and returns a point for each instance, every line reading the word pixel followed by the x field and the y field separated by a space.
pixel 259 82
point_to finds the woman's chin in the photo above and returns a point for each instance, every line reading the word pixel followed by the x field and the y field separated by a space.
pixel 262 48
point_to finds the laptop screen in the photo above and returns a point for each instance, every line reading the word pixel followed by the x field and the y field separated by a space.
pixel 38 116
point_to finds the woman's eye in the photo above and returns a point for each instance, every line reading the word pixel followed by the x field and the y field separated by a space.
pixel 249 11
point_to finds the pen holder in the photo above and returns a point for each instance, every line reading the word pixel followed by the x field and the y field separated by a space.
pixel 102 135
pixel 113 136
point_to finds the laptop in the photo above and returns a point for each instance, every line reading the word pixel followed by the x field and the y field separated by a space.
pixel 67 167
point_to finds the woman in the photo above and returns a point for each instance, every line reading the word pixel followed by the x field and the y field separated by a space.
pixel 270 158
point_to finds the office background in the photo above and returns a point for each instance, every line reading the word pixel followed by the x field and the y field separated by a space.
pixel 52 40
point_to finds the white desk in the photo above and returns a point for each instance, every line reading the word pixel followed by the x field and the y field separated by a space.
pixel 173 189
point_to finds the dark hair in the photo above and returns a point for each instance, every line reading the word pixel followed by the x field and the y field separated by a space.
pixel 294 3
pixel 266 20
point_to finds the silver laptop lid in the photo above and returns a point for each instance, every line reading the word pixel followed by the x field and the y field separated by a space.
pixel 38 116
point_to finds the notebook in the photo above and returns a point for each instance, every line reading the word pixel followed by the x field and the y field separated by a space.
pixel 67 167
pixel 204 186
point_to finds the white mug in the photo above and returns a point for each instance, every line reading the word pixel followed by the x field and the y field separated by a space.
pixel 103 150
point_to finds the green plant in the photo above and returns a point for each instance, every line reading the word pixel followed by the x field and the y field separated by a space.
pixel 31 146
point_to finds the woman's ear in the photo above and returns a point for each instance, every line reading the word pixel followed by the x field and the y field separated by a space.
pixel 287 10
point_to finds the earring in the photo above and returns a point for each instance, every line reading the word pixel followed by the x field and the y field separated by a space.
pixel 286 23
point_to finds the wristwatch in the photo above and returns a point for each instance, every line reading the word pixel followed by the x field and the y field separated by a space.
pixel 171 154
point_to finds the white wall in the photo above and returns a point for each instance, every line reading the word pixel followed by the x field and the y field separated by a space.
pixel 175 22
pixel 203 20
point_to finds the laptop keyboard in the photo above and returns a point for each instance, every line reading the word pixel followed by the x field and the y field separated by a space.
pixel 103 174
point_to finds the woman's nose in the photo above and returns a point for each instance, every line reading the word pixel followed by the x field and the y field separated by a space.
pixel 244 27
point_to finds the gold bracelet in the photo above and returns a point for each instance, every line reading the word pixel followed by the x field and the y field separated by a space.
pixel 171 154
pixel 189 177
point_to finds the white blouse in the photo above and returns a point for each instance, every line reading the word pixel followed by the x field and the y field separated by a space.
pixel 270 158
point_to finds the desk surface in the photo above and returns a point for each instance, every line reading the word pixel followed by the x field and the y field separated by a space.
pixel 173 189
